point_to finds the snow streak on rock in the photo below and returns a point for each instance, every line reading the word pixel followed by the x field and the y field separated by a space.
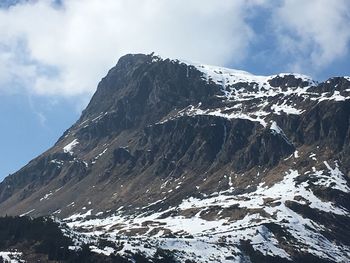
pixel 69 147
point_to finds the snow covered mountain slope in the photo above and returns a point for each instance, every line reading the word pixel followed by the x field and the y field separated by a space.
pixel 286 221
pixel 206 163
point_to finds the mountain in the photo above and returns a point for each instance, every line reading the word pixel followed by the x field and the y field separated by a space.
pixel 206 163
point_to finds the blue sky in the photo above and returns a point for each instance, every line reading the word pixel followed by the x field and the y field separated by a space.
pixel 53 53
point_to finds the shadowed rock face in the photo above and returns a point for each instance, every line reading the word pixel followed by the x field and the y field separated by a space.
pixel 159 132
pixel 134 114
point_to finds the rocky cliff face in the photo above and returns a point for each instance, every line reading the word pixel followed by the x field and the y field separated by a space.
pixel 211 162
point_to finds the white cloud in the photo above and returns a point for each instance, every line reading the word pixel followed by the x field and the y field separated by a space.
pixel 314 32
pixel 66 50
pixel 83 39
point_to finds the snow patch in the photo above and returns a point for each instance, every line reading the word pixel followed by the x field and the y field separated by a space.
pixel 275 129
pixel 288 109
pixel 296 154
pixel 106 251
pixel 69 147
pixel 11 257
pixel 335 179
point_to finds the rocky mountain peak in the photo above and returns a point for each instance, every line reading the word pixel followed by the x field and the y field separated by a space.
pixel 183 155
pixel 145 83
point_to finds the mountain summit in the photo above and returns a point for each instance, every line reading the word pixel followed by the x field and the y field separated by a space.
pixel 210 163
